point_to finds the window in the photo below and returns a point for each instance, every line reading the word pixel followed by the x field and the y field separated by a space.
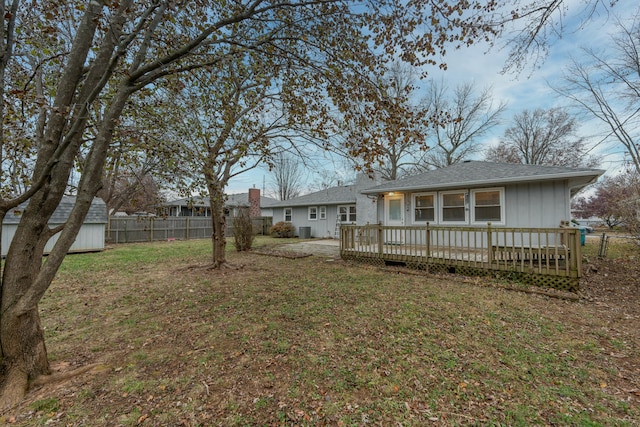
pixel 488 205
pixel 288 214
pixel 322 211
pixel 313 213
pixel 453 207
pixel 424 207
pixel 347 213
pixel 394 210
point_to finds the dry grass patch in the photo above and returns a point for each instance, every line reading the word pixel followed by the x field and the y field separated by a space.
pixel 309 342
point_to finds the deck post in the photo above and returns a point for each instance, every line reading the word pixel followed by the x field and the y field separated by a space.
pixel 351 236
pixel 428 241
pixel 489 244
pixel 576 262
pixel 380 239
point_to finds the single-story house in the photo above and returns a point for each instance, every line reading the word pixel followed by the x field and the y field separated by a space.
pixel 90 238
pixel 260 206
pixel 324 211
pixel 471 193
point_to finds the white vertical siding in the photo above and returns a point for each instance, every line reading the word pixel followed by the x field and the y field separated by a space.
pixel 320 228
pixel 90 238
pixel 537 204
pixel 527 205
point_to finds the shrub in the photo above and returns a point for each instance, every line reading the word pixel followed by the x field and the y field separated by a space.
pixel 283 229
pixel 243 231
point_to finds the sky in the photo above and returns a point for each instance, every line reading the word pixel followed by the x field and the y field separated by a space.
pixel 528 89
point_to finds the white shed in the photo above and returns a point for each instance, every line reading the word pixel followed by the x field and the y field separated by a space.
pixel 90 238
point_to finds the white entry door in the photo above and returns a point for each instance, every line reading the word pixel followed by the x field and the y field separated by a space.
pixel 394 216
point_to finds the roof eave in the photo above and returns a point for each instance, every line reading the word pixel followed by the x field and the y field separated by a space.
pixel 553 177
pixel 314 203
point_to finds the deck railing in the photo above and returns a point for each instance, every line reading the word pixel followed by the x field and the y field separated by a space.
pixel 550 252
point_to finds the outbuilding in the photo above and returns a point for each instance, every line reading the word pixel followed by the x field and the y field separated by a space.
pixel 90 238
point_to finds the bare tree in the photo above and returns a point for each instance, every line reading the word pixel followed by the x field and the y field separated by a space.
pixel 341 172
pixel 607 87
pixel 469 117
pixel 130 192
pixel 542 137
pixel 286 176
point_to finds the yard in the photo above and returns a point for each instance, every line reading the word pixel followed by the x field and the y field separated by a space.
pixel 139 337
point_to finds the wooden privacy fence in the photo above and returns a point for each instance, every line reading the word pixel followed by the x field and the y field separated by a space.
pixel 542 256
pixel 148 228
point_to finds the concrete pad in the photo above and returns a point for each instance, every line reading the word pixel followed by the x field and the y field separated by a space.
pixel 321 247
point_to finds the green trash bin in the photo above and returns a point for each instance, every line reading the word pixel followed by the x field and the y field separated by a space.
pixel 583 236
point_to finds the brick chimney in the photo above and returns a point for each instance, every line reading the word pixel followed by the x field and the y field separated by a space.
pixel 254 203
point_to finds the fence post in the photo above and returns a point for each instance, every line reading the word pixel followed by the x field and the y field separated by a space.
pixel 489 243
pixel 380 239
pixel 186 231
pixel 151 229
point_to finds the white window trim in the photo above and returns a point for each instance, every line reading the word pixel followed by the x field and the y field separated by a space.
pixel 435 207
pixel 348 221
pixel 441 206
pixel 472 206
pixel 309 213
pixel 322 212
pixel 284 214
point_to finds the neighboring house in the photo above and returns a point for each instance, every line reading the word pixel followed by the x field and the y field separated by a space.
pixel 90 238
pixel 475 193
pixel 188 206
pixel 324 210
pixel 471 193
pixel 260 206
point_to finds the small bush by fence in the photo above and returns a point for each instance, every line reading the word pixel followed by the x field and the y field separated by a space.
pixel 148 229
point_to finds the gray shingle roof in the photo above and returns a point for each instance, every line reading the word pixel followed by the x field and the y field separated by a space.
pixel 345 194
pixel 475 173
pixel 196 202
pixel 240 199
pixel 97 212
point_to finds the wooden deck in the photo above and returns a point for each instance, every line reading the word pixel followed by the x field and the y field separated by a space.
pixel 548 257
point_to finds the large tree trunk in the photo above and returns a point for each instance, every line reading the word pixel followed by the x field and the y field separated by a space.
pixel 25 278
pixel 25 353
pixel 22 346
